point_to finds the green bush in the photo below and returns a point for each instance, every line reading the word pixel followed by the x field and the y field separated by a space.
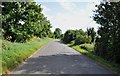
pixel 78 41
pixel 81 39
pixel 84 47
pixel 68 36
pixel 88 47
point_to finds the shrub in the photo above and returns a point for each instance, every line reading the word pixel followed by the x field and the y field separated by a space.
pixel 83 47
pixel 68 36
pixel 89 47
pixel 78 41
pixel 82 39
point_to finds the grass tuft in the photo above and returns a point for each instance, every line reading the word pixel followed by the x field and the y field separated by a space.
pixel 111 66
pixel 15 53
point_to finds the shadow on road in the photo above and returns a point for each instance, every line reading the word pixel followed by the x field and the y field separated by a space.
pixel 61 64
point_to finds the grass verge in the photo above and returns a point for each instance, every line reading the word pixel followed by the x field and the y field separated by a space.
pixel 111 66
pixel 15 53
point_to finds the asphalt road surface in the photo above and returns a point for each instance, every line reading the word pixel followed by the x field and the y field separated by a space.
pixel 58 58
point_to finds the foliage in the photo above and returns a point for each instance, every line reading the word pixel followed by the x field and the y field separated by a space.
pixel 68 36
pixel 23 20
pixel 15 53
pixel 82 39
pixel 91 32
pixel 78 35
pixel 88 47
pixel 107 15
pixel 51 34
pixel 57 33
pixel 61 36
pixel 114 67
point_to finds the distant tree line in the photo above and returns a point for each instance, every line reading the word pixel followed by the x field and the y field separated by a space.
pixel 57 33
pixel 79 36
pixel 107 45
pixel 23 20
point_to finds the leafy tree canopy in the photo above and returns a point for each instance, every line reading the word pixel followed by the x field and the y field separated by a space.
pixel 57 33
pixel 107 15
pixel 23 20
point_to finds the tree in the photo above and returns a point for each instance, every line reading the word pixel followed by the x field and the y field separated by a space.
pixel 81 39
pixel 23 20
pixel 107 15
pixel 79 36
pixel 57 33
pixel 91 32
pixel 68 36
pixel 61 36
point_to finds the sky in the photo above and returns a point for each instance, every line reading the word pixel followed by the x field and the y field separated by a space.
pixel 69 14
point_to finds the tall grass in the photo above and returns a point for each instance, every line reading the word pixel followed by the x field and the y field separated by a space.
pixel 88 47
pixel 15 53
pixel 87 51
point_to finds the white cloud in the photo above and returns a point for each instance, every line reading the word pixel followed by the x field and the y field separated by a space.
pixel 68 0
pixel 67 5
pixel 77 0
pixel 45 9
pixel 75 18
pixel 70 21
pixel 45 12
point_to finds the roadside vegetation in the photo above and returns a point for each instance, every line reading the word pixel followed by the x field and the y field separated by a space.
pixel 21 21
pixel 25 29
pixel 104 45
pixel 88 50
pixel 15 53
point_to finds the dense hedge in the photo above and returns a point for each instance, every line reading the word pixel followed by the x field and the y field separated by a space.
pixel 82 39
pixel 79 36
pixel 88 47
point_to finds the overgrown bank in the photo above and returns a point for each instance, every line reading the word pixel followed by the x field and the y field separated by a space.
pixel 15 53
pixel 102 61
